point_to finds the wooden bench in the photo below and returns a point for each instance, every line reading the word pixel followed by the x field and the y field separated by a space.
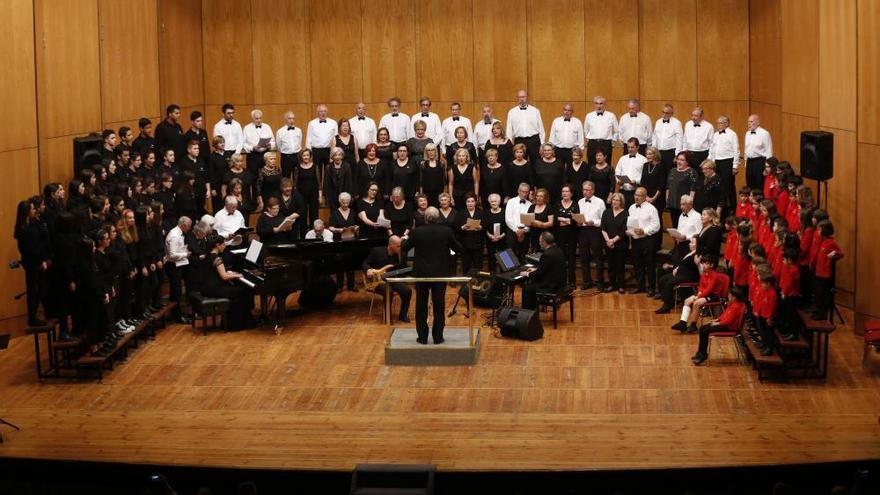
pixel 762 364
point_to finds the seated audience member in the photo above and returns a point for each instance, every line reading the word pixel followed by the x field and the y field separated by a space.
pixel 389 258
pixel 710 288
pixel 689 225
pixel 548 276
pixel 730 320
pixel 320 232
pixel 683 270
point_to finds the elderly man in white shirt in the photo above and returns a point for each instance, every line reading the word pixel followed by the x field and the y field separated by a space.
pixel 320 232
pixel 630 166
pixel 566 134
pixel 397 123
pixel 600 130
pixel 433 127
pixel 689 224
pixel 635 124
pixel 724 151
pixel 697 139
pixel 228 220
pixel 643 223
pixel 288 139
pixel 177 265
pixel 758 148
pixel 230 130
pixel 517 233
pixel 363 128
pixel 319 136
pixel 483 129
pixel 258 139
pixel 667 137
pixel 524 125
pixel 590 236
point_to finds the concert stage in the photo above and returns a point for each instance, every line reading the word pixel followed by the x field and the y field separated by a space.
pixel 614 390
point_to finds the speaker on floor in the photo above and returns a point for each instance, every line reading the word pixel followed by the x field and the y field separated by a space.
pixel 520 323
pixel 86 152
pixel 817 155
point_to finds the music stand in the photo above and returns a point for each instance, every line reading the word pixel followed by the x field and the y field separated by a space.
pixel 4 343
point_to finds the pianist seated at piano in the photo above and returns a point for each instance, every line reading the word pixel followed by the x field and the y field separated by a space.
pixel 273 228
pixel 320 232
pixel 220 282
pixel 380 261
pixel 550 274
pixel 228 220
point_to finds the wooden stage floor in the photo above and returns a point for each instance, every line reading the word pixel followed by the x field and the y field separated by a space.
pixel 614 390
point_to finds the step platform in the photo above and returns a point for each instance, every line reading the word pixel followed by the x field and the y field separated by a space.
pixel 403 350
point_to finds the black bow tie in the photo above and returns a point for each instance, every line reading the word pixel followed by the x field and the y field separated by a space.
pixel 588 200
pixel 638 206
pixel 322 121
pixel 721 131
pixel 424 115
pixel 753 132
pixel 487 120
pixel 696 125
pixel 632 156
pixel 665 121
pixel 228 122
pixel 394 114
pixel 258 126
pixel 522 201
pixel 633 115
pixel 523 108
pixel 290 128
pixel 684 215
pixel 455 119
pixel 361 118
pixel 599 114
pixel 568 119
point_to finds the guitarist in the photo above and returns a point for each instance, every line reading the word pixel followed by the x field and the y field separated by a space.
pixel 382 259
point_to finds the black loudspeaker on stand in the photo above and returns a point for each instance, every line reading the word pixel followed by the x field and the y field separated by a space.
pixel 520 323
pixel 817 159
pixel 86 152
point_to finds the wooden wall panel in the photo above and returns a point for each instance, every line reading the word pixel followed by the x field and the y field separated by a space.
pixel 837 64
pixel 771 119
pixel 129 59
pixel 869 72
pixel 56 160
pixel 68 68
pixel 616 40
pixel 228 51
pixel 389 49
pixel 842 204
pixel 335 31
pixel 722 66
pixel 18 95
pixel 20 175
pixel 499 42
pixel 668 50
pixel 556 48
pixel 446 50
pixel 281 51
pixel 868 235
pixel 765 49
pixel 790 145
pixel 800 49
pixel 181 69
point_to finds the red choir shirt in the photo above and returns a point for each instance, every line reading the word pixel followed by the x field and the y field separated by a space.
pixel 764 305
pixel 790 280
pixel 712 283
pixel 782 201
pixel 732 316
pixel 745 210
pixel 827 245
pixel 742 271
pixel 814 248
pixel 793 216
pixel 770 187
pixel 754 285
pixel 806 246
pixel 731 247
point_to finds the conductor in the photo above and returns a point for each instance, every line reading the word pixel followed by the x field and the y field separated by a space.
pixel 432 243
pixel 550 274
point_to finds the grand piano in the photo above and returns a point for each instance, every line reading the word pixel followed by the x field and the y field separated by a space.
pixel 301 266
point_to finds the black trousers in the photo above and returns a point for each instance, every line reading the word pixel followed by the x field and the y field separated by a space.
pixel 123 297
pixel 472 258
pixel 643 253
pixel 667 284
pixel 755 172
pixel 529 296
pixel 667 158
pixel 807 285
pixel 705 330
pixel 594 145
pixel 35 283
pixel 533 146
pixel 766 332
pixel 695 159
pixel 255 162
pixel 519 248
pixel 307 220
pixel 491 249
pixel 724 168
pixel 629 197
pixel 437 292
pixel 822 296
pixel 791 322
pixel 674 213
pixel 591 247
pixel 289 163
pixel 321 157
pixel 563 155
pixel 616 265
pixel 567 240
pixel 405 293
pixel 176 275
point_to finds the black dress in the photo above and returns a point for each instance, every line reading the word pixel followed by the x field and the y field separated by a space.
pixel 401 219
pixel 709 194
pixel 247 183
pixel 433 181
pixel 489 221
pixel 567 235
pixel 550 175
pixel 337 220
pixel 615 226
pixel 543 216
pixel 416 147
pixel 654 179
pixel 449 220
pixel 576 178
pixel 603 181
pixel 336 181
pixel 492 181
pixel 471 240
pixel 516 175
pixel 347 150
pixel 371 210
pixel 386 154
pixel 709 241
pixel 269 183
pixel 462 183
pixel 405 176
pixel 241 300
pixel 452 148
pixel 366 173
pixel 505 152
pixel 265 226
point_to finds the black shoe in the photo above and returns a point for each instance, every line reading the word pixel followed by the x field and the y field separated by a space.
pixel 621 290
pixel 636 291
pixel 589 285
pixel 662 310
pixel 439 341
pixel 403 319
pixel 184 319
pixel 681 326
pixel 691 329
pixel 767 351
pixel 422 341
pixel 790 337
pixel 658 295
pixel 607 288
pixel 36 323
pixel 699 359
pixel 650 293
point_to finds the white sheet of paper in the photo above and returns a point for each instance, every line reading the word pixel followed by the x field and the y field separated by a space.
pixel 579 218
pixel 526 218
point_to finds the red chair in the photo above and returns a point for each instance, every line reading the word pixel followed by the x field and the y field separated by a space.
pixel 872 340
pixel 730 334
pixel 714 308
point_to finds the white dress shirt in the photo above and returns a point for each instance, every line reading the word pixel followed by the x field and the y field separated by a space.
pixel 253 134
pixel 226 224
pixel 232 134
pixel 645 215
pixel 320 134
pixel 600 126
pixel 668 134
pixel 450 125
pixel 698 137
pixel 758 143
pixel 326 235
pixel 638 127
pixel 289 140
pixel 592 210
pixel 690 224
pixel 175 247
pixel 398 126
pixel 725 145
pixel 364 130
pixel 567 134
pixel 525 122
pixel 483 132
pixel 631 166
pixel 433 127
pixel 512 212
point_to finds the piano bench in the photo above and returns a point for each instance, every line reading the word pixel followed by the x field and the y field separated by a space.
pixel 209 306
pixel 553 301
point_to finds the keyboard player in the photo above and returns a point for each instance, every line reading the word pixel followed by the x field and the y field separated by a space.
pixel 220 282
pixel 389 258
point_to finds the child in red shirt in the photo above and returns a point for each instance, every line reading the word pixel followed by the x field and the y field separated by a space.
pixel 790 292
pixel 763 309
pixel 823 270
pixel 731 245
pixel 744 208
pixel 711 287
pixel 729 321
